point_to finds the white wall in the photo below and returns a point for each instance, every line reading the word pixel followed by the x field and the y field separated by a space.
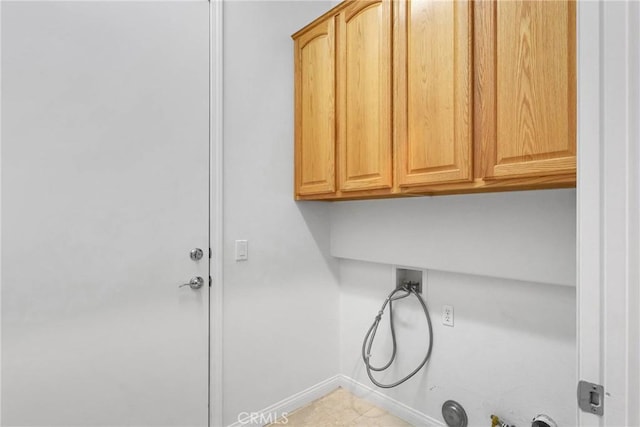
pixel 527 235
pixel 511 351
pixel 280 306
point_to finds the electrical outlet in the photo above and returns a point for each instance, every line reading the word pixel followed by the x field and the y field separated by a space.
pixel 447 315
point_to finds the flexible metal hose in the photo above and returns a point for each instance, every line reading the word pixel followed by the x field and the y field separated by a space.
pixel 371 334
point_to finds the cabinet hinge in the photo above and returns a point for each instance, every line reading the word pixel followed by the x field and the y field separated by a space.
pixel 210 253
pixel 591 397
pixel 210 281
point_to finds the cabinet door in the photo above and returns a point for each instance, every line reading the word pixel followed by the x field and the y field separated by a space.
pixel 433 92
pixel 525 87
pixel 364 90
pixel 315 110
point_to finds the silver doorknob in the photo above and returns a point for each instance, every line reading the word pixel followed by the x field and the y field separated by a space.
pixel 196 254
pixel 194 283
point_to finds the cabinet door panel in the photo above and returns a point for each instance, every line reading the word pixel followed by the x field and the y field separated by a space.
pixel 315 110
pixel 527 98
pixel 365 156
pixel 433 92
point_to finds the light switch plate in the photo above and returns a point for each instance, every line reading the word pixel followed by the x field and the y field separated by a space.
pixel 242 250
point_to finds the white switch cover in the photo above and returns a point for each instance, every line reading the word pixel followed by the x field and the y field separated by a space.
pixel 447 315
pixel 242 250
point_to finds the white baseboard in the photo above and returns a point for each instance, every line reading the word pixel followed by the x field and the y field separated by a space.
pixel 286 406
pixel 400 410
pixel 272 413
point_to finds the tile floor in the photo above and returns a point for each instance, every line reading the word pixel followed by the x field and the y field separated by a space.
pixel 341 408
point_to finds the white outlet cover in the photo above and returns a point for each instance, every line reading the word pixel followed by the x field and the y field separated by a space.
pixel 447 315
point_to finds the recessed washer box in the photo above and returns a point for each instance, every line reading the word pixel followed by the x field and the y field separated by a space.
pixel 403 274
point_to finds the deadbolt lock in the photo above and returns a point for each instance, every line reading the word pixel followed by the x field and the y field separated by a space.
pixel 196 254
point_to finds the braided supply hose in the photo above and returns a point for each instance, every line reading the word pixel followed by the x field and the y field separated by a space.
pixel 406 290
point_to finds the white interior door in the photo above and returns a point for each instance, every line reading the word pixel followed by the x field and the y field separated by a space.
pixel 105 171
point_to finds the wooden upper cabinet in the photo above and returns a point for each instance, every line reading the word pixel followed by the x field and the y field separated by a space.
pixel 433 88
pixel 525 122
pixel 315 98
pixel 409 97
pixel 364 96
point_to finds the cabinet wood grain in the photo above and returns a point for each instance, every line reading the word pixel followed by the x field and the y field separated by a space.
pixel 315 110
pixel 433 88
pixel 525 88
pixel 364 96
pixel 399 98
